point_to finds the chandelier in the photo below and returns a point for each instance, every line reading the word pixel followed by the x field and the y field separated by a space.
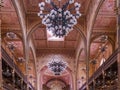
pixel 57 66
pixel 59 19
pixel 11 35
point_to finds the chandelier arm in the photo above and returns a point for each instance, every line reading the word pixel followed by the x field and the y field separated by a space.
pixel 54 6
pixel 59 4
pixel 64 7
pixel 71 9
pixel 47 9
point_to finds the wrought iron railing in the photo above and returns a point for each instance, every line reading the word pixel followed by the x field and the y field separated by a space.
pixel 112 59
pixel 11 63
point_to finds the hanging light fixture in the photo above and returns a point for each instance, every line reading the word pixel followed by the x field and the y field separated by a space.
pixel 59 20
pixel 11 46
pixel 57 66
pixel 11 35
pixel 21 59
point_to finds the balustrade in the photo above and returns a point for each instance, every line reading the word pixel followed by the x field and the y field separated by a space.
pixel 106 75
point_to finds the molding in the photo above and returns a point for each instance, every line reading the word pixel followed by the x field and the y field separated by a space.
pixel 107 14
pixel 62 50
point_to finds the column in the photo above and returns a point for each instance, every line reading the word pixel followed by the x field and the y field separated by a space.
pixel 0 61
pixel 118 40
pixel 74 80
pixel 0 73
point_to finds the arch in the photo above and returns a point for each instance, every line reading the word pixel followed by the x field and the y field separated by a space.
pixel 53 79
pixel 96 11
pixel 109 39
pixel 96 36
pixel 68 69
pixel 79 29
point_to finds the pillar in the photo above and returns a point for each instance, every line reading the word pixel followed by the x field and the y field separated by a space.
pixel 0 61
pixel 0 72
pixel 74 81
pixel 118 40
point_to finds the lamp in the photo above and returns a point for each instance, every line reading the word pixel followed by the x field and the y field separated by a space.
pixel 20 59
pixel 57 66
pixel 59 20
pixel 11 35
pixel 11 46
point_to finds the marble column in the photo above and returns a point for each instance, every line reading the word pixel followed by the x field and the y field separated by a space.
pixel 118 40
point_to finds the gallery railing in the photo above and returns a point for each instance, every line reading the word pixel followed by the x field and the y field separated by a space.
pixel 112 59
pixel 11 63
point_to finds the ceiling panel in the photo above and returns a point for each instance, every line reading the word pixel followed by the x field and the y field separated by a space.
pixel 40 44
pixel 108 6
pixel 55 44
pixel 10 18
pixel 70 44
pixel 103 22
pixel 8 6
pixel 40 34
pixel 72 36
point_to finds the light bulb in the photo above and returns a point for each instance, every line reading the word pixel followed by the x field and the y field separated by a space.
pixel 64 27
pixel 67 16
pixel 49 24
pixel 60 26
pixel 67 29
pixel 78 14
pixel 60 10
pixel 77 4
pixel 60 15
pixel 41 16
pixel 56 27
pixel 53 16
pixel 48 20
pixel 71 1
pixel 75 22
pixel 41 5
pixel 43 21
pixel 77 8
pixel 41 8
pixel 71 20
pixel 41 12
pixel 47 1
pixel 70 29
pixel 38 14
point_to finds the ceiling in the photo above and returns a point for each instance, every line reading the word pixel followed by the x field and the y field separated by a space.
pixel 105 23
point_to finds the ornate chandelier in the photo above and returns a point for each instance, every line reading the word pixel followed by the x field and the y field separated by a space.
pixel 57 66
pixel 59 20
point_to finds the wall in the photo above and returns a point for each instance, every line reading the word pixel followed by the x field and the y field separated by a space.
pixel 44 56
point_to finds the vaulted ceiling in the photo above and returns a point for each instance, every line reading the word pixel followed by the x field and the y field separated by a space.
pixel 105 24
